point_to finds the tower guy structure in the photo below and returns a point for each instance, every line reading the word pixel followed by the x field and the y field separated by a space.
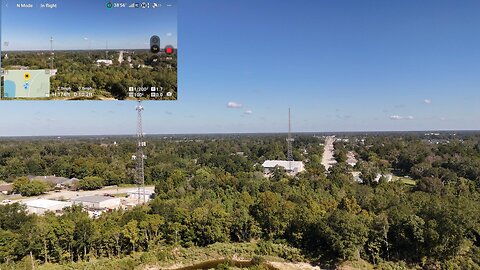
pixel 140 157
pixel 106 50
pixel 289 143
pixel 51 53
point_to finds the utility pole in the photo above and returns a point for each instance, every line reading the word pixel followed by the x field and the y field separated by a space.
pixel 289 143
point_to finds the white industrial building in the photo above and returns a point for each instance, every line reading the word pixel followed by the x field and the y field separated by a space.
pixel 104 62
pixel 136 194
pixel 97 202
pixel 296 166
pixel 40 206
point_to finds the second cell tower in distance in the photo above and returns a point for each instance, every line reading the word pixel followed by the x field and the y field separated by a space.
pixel 291 166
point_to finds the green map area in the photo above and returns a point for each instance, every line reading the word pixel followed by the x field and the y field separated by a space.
pixel 26 84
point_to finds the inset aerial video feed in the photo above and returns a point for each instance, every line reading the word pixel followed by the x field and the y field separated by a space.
pixel 88 50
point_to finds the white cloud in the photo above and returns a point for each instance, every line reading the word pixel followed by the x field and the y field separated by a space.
pixel 234 105
pixel 396 117
pixel 427 101
pixel 399 117
pixel 169 34
pixel 248 112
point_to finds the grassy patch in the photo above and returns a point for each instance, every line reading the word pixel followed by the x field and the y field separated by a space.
pixel 168 256
pixel 409 182
pixel 405 180
pixel 126 185
pixel 127 263
pixel 356 265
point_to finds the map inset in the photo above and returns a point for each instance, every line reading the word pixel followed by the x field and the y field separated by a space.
pixel 26 84
pixel 94 50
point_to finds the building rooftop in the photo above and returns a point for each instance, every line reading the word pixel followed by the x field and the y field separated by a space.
pixel 6 187
pixel 92 199
pixel 282 163
pixel 44 203
pixel 104 61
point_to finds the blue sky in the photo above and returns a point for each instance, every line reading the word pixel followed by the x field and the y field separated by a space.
pixel 344 65
pixel 85 24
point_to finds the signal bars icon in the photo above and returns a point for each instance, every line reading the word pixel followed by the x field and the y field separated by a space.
pixel 144 5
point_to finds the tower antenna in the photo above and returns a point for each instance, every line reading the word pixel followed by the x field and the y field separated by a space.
pixel 289 143
pixel 51 53
pixel 140 157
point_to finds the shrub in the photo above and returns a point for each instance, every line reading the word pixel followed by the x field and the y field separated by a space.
pixel 91 183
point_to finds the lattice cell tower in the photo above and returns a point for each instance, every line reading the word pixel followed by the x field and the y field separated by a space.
pixel 140 157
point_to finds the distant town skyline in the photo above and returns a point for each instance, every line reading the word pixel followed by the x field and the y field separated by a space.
pixel 340 65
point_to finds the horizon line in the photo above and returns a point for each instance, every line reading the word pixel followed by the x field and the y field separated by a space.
pixel 245 133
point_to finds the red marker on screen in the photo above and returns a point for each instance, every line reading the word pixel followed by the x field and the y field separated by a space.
pixel 169 50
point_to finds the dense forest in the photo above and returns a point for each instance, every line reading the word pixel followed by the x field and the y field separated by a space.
pixel 77 69
pixel 210 190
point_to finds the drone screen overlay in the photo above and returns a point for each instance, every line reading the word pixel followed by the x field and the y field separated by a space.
pixel 88 50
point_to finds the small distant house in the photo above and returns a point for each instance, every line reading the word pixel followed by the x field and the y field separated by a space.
pixel 108 145
pixel 6 188
pixel 388 177
pixel 358 177
pixel 351 160
pixel 58 182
